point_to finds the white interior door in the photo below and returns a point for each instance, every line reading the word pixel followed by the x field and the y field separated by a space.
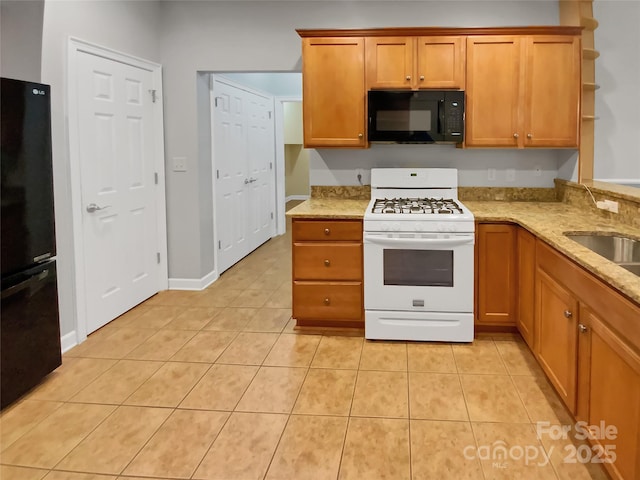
pixel 261 144
pixel 244 155
pixel 118 182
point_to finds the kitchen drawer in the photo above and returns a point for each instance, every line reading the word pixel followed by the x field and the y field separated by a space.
pixel 322 230
pixel 322 261
pixel 340 301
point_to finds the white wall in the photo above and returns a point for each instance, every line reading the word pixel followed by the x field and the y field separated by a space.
pixel 21 39
pixel 617 138
pixel 130 27
pixel 259 36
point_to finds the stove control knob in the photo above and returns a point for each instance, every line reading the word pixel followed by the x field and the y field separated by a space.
pixel 384 227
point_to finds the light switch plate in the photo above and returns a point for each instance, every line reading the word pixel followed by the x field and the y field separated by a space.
pixel 179 164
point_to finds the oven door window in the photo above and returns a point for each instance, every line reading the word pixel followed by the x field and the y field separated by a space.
pixel 421 268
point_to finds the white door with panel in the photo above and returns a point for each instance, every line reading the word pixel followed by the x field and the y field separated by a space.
pixel 244 156
pixel 116 152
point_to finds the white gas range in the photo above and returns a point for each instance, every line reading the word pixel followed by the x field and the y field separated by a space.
pixel 418 257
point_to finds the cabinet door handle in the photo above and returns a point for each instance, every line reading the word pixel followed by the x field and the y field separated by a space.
pixel 515 135
pixel 421 78
pixel 327 263
pixel 529 135
pixel 568 314
pixel 327 301
pixel 327 231
pixel 408 77
pixel 582 328
pixel 360 135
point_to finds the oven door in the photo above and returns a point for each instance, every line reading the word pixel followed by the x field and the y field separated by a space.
pixel 418 272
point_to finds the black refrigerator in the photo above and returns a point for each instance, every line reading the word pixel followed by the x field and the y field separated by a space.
pixel 29 320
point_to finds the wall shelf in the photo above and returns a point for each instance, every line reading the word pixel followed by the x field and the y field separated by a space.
pixel 589 23
pixel 590 54
pixel 590 86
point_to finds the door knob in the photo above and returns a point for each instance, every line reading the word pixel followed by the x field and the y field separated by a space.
pixel 568 314
pixel 515 135
pixel 92 207
pixel 408 77
pixel 327 231
pixel 582 328
pixel 327 301
pixel 327 263
pixel 529 135
pixel 421 77
pixel 360 135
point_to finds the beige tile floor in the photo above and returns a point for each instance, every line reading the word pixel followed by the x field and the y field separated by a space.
pixel 220 385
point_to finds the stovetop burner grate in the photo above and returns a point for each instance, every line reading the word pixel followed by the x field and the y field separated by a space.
pixel 416 206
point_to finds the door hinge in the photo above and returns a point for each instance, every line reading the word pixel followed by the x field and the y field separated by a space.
pixel 155 176
pixel 219 244
pixel 269 114
pixel 218 174
pixel 153 93
pixel 158 256
pixel 271 215
pixel 270 165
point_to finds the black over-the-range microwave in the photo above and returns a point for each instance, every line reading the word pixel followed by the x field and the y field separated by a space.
pixel 423 116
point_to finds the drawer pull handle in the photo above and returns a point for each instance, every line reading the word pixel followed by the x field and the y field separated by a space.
pixel 327 231
pixel 568 314
pixel 582 328
pixel 327 301
pixel 327 263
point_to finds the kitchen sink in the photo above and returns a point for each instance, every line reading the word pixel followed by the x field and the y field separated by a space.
pixel 625 251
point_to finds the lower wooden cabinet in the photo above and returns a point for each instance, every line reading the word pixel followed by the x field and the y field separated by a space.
pixel 556 336
pixel 525 312
pixel 611 372
pixel 586 339
pixel 327 272
pixel 496 274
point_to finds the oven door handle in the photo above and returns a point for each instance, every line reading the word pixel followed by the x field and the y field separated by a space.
pixel 394 241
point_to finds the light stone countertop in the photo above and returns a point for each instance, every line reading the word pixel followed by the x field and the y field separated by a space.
pixel 547 220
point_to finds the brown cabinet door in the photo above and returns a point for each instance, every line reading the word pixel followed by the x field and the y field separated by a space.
pixel 556 336
pixel 552 93
pixel 390 62
pixel 496 275
pixel 614 395
pixel 321 303
pixel 326 230
pixel 322 261
pixel 493 91
pixel 440 62
pixel 334 95
pixel 526 248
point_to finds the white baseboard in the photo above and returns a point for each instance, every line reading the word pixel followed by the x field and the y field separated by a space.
pixel 68 341
pixel 193 283
pixel 296 197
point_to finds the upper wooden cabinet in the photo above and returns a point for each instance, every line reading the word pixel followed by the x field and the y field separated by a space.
pixel 552 91
pixel 333 92
pixel 522 84
pixel 513 99
pixel 415 62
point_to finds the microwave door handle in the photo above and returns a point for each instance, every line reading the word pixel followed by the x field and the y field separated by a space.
pixel 395 242
pixel 441 117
